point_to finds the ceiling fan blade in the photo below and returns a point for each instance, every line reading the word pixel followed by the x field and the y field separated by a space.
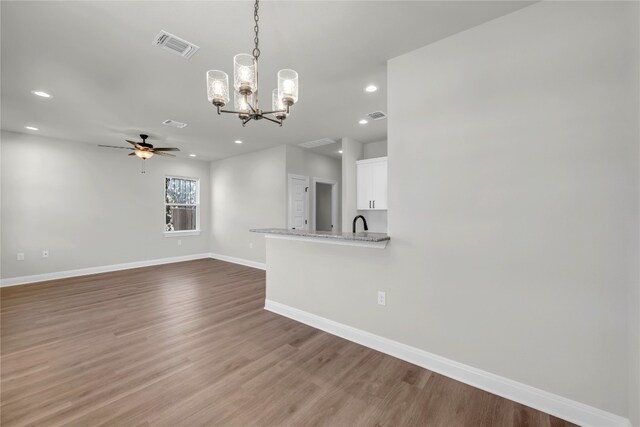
pixel 166 149
pixel 161 153
pixel 135 144
pixel 113 146
pixel 132 154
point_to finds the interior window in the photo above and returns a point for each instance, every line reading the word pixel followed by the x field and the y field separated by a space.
pixel 181 204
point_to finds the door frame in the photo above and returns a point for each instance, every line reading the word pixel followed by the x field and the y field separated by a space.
pixel 290 178
pixel 334 201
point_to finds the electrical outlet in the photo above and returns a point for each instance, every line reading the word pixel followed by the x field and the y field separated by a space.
pixel 251 245
pixel 382 298
pixel 179 242
pixel 45 253
pixel 20 256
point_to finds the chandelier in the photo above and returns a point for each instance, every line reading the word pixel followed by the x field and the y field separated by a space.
pixel 245 85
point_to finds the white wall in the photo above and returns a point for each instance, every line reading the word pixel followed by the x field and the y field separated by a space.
pixel 634 346
pixel 302 161
pixel 376 221
pixel 88 206
pixel 520 177
pixel 513 200
pixel 371 150
pixel 248 191
pixel 351 152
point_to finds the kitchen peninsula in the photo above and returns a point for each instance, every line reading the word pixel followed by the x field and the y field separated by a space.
pixel 316 276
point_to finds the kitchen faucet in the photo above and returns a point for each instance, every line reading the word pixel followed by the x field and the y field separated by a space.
pixel 364 222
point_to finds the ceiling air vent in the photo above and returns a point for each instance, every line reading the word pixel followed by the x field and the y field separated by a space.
pixel 175 44
pixel 317 143
pixel 377 115
pixel 174 124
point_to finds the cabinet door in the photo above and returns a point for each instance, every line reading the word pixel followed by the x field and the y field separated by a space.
pixel 363 186
pixel 379 185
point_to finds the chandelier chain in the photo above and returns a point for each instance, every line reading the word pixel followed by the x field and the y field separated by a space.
pixel 256 40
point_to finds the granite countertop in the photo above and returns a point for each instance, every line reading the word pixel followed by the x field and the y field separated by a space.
pixel 357 237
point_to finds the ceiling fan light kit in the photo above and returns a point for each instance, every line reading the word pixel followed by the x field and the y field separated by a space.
pixel 245 85
pixel 144 155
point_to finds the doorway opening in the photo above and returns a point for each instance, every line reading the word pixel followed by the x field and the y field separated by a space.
pixel 325 206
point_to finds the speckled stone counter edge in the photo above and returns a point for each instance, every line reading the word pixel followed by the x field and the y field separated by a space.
pixel 359 237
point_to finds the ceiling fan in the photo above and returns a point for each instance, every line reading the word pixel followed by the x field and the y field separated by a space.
pixel 143 149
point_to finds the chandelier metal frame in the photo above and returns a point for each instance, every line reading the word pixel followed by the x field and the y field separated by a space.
pixel 254 112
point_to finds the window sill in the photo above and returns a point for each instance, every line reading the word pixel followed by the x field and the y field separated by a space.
pixel 181 233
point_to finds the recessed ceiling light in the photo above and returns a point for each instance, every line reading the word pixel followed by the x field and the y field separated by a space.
pixel 340 151
pixel 192 155
pixel 40 93
pixel 31 128
pixel 363 122
pixel 371 88
pixel 237 141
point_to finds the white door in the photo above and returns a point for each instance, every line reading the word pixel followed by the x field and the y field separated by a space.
pixel 298 202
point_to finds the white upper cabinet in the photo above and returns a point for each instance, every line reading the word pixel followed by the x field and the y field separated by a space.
pixel 363 183
pixel 371 181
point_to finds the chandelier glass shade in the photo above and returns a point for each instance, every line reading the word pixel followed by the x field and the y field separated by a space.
pixel 278 106
pixel 242 104
pixel 245 78
pixel 218 87
pixel 245 87
pixel 288 86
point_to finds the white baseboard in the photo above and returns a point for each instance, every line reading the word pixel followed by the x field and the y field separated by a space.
pixel 541 400
pixel 245 262
pixel 23 280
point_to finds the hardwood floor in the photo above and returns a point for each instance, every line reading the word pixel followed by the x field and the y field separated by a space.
pixel 190 344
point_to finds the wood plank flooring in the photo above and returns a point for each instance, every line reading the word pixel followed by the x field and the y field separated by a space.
pixel 190 344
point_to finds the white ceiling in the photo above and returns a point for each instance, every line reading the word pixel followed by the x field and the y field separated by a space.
pixel 108 82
